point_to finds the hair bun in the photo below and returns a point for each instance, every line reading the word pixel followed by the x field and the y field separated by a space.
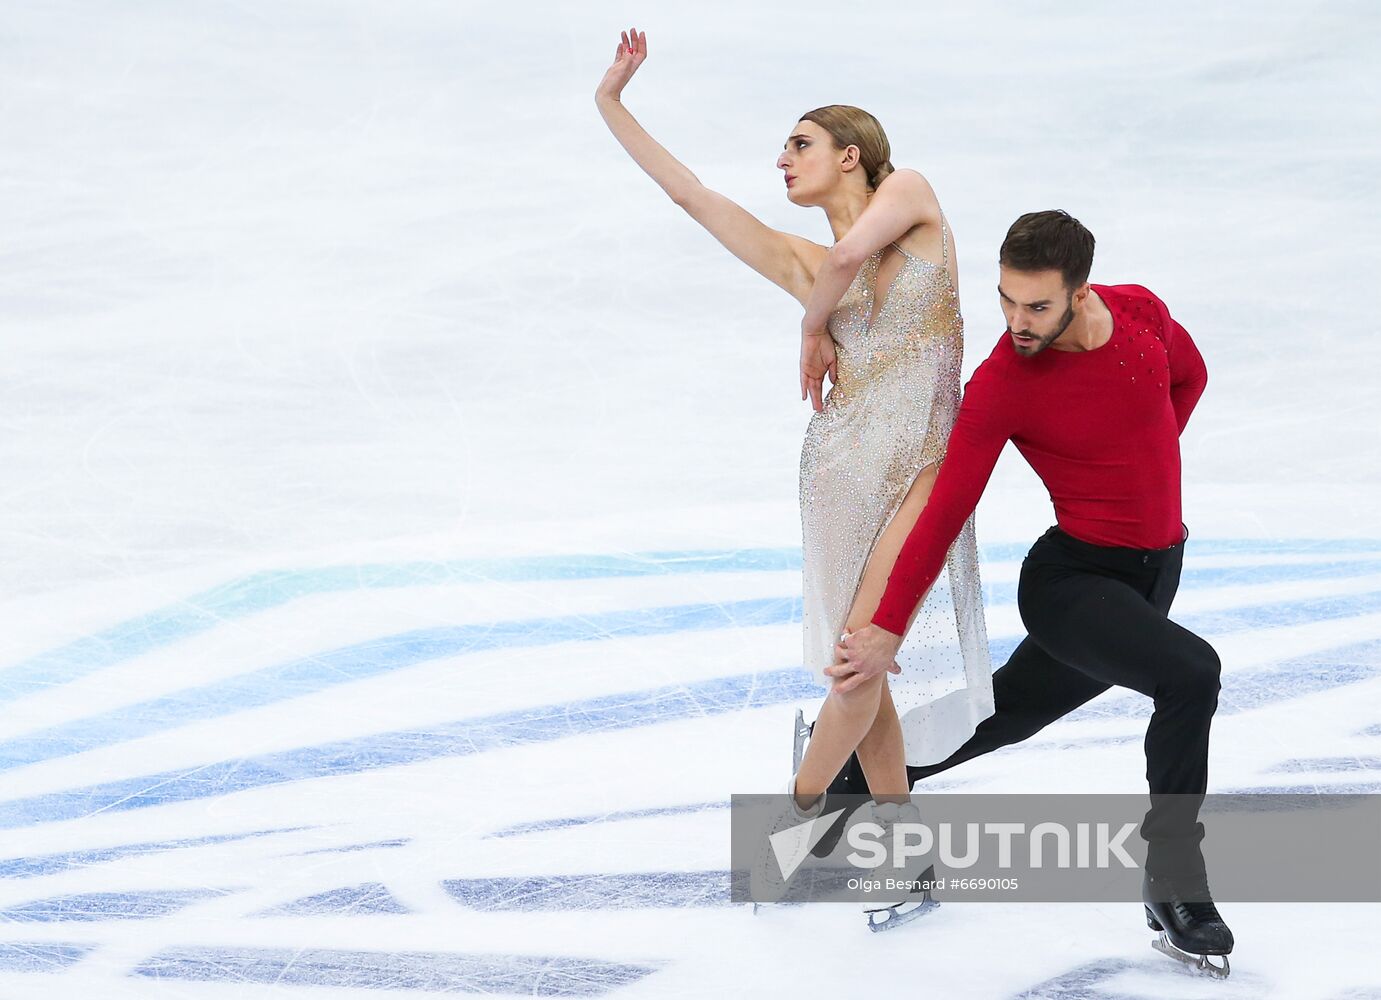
pixel 851 126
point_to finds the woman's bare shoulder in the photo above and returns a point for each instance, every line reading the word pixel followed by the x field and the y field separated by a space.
pixel 919 239
pixel 909 181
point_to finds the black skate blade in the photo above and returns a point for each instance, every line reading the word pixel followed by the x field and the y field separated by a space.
pixel 1196 963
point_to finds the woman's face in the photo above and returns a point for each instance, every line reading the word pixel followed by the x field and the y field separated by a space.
pixel 809 164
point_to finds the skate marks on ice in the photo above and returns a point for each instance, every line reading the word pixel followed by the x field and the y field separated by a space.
pixel 144 904
pixel 41 956
pixel 595 893
pixel 649 890
pixel 351 900
pixel 529 975
pixel 51 864
pixel 373 845
pixel 1140 979
pixel 261 592
pixel 281 682
pixel 617 816
pixel 372 658
pixel 1248 689
pixel 460 738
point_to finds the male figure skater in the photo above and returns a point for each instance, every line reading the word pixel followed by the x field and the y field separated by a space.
pixel 1093 384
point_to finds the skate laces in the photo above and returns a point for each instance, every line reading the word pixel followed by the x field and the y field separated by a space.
pixel 1199 906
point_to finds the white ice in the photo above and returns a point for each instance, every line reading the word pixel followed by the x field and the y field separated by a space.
pixel 322 321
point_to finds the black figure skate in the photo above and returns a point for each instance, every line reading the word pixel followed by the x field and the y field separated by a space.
pixel 1191 929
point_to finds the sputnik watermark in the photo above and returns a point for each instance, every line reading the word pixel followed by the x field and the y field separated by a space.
pixel 792 846
pixel 911 841
pixel 1257 847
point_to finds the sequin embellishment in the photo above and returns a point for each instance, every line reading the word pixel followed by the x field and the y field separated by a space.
pixel 886 419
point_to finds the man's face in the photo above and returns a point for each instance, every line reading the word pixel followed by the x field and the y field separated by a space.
pixel 1038 308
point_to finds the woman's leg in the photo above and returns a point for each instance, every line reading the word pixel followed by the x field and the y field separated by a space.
pixel 865 719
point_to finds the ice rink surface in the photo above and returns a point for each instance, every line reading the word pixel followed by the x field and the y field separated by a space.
pixel 400 556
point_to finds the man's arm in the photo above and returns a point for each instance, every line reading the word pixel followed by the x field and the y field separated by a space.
pixel 982 427
pixel 980 431
pixel 1188 373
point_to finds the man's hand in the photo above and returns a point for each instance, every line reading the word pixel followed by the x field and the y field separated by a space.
pixel 864 654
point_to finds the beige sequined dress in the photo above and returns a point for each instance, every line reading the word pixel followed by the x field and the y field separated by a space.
pixel 887 417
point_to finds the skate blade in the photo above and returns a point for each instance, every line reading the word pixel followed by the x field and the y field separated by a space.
pixel 798 741
pixel 1196 963
pixel 903 913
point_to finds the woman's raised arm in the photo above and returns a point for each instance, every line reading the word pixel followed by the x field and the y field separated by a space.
pixel 779 257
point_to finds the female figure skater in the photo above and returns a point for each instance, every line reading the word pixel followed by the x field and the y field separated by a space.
pixel 882 319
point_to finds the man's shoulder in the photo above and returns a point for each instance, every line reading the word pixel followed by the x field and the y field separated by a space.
pixel 999 359
pixel 997 368
pixel 1128 294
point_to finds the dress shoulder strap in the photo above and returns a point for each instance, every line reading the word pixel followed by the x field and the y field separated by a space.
pixel 944 241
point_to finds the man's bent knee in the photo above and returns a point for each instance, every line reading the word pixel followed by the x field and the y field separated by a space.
pixel 1197 673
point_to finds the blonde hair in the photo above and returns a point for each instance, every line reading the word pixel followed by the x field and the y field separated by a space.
pixel 850 126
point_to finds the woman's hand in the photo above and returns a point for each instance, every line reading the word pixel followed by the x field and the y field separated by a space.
pixel 817 358
pixel 628 57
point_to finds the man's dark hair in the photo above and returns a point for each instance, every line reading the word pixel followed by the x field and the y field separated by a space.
pixel 1049 241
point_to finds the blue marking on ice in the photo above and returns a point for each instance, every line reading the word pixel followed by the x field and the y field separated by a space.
pixel 1254 687
pixel 49 864
pixel 367 898
pixel 377 656
pixel 597 891
pixel 1227 576
pixel 1318 788
pixel 1328 765
pixel 262 591
pixel 1245 689
pixel 387 653
pixel 41 956
pixel 541 825
pixel 1090 981
pixel 349 848
pixel 439 972
pixel 460 738
pixel 86 907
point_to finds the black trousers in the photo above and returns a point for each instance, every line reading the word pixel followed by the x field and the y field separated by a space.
pixel 1096 617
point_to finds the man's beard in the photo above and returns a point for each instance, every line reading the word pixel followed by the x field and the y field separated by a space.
pixel 1043 342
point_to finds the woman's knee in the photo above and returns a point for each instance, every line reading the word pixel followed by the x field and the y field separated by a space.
pixel 867 695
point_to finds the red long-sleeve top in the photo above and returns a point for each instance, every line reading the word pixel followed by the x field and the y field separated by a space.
pixel 1101 428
